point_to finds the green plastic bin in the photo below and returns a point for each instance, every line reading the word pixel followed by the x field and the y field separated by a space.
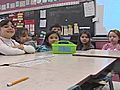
pixel 63 47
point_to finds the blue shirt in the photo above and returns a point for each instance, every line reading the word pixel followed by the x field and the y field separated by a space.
pixel 43 48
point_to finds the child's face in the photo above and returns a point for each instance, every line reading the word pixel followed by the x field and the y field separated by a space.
pixel 7 31
pixel 113 38
pixel 24 38
pixel 84 38
pixel 57 29
pixel 53 38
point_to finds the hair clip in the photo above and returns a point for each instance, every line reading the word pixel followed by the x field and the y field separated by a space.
pixel 1 19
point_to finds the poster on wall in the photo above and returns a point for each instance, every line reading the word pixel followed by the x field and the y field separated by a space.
pixel 22 3
pixel 17 3
pixel 42 13
pixel 32 29
pixel 27 26
pixel 43 23
pixel 44 1
pixel 8 5
pixel 39 1
pixel 27 2
pixel 89 9
pixel 12 5
pixel 30 25
pixel 3 7
pixel 33 2
pixel 50 0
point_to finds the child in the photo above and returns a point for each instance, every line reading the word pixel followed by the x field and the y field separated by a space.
pixel 9 46
pixel 22 36
pixel 50 38
pixel 84 42
pixel 114 41
pixel 57 28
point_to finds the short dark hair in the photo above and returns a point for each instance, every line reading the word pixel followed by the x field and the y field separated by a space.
pixel 57 26
pixel 5 21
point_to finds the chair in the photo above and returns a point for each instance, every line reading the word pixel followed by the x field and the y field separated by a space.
pixel 74 38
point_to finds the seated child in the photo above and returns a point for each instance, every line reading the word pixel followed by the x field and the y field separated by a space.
pixel 22 36
pixel 84 41
pixel 114 41
pixel 9 46
pixel 50 38
pixel 57 28
pixel 114 45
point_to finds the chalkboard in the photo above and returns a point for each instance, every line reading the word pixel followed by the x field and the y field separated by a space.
pixel 66 15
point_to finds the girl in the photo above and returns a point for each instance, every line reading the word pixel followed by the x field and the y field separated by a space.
pixel 84 42
pixel 8 46
pixel 22 36
pixel 50 38
pixel 114 41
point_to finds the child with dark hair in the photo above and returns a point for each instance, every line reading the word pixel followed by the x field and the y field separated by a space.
pixel 9 46
pixel 22 36
pixel 50 38
pixel 84 41
pixel 56 28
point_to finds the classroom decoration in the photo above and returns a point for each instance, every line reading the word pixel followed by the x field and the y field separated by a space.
pixel 18 19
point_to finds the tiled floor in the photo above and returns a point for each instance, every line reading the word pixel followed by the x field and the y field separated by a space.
pixel 116 86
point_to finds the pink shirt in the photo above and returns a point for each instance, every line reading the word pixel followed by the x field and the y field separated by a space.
pixel 110 46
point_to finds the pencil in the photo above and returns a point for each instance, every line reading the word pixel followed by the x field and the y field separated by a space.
pixel 17 81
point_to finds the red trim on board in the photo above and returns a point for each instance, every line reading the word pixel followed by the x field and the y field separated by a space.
pixel 38 5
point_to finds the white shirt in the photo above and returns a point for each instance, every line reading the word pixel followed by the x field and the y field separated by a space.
pixel 7 49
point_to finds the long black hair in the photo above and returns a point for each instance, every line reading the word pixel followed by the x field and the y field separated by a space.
pixel 46 42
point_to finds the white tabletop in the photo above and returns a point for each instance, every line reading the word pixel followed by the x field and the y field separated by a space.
pixel 59 72
pixel 98 53
pixel 23 58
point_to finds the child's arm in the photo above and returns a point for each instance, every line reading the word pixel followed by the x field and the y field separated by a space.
pixel 42 48
pixel 26 48
pixel 7 50
pixel 29 49
pixel 21 46
pixel 105 47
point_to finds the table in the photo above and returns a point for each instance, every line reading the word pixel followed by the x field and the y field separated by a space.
pixel 103 54
pixel 23 58
pixel 98 53
pixel 59 72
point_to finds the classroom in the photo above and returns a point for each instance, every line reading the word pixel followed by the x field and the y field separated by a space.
pixel 59 45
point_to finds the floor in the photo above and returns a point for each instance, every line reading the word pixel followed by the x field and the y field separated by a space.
pixel 116 86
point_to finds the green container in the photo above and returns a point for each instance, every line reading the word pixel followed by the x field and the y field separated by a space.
pixel 63 47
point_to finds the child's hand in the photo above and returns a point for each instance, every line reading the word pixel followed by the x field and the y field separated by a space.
pixel 19 46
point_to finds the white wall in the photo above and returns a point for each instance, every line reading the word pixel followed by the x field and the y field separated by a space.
pixel 99 27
